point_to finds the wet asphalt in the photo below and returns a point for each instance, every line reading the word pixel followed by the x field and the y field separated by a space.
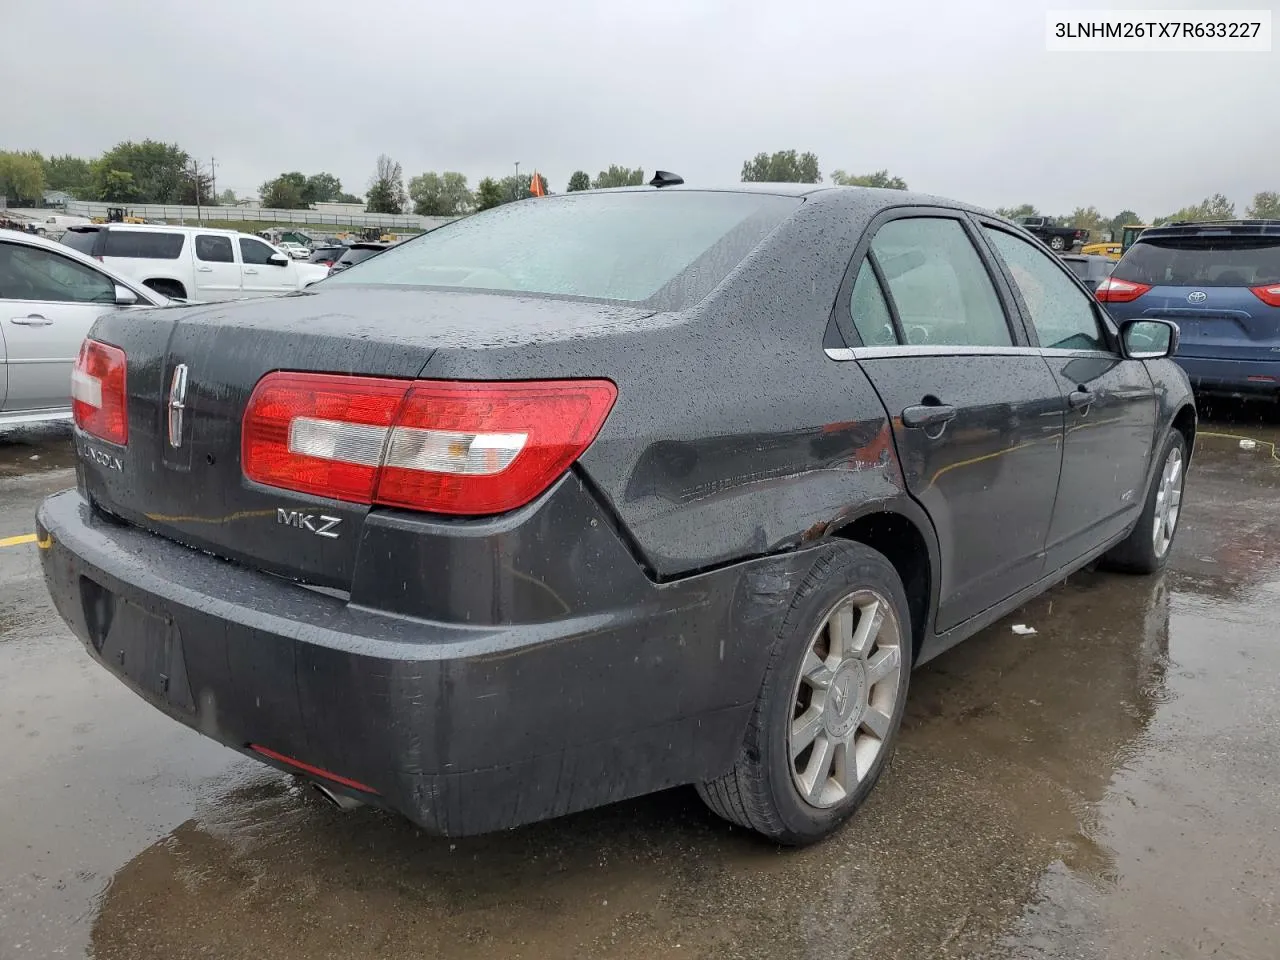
pixel 1108 787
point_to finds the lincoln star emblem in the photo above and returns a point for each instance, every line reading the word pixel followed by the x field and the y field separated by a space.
pixel 177 403
pixel 1197 296
pixel 838 697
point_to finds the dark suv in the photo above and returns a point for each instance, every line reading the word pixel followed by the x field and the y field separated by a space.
pixel 1219 281
pixel 356 253
pixel 592 495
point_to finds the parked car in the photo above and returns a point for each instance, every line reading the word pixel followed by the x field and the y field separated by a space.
pixel 194 263
pixel 326 256
pixel 356 253
pixel 49 298
pixel 1058 238
pixel 1219 281
pixel 598 494
pixel 1091 270
pixel 296 250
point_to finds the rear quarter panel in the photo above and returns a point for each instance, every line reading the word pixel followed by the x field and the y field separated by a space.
pixel 733 434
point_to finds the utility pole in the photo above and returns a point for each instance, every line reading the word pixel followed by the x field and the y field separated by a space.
pixel 517 186
pixel 213 179
pixel 195 182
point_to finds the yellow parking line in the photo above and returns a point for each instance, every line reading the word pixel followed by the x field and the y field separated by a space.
pixel 15 541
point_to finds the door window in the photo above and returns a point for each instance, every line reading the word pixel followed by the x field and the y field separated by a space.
pixel 28 273
pixel 1061 312
pixel 214 249
pixel 939 284
pixel 255 251
pixel 871 315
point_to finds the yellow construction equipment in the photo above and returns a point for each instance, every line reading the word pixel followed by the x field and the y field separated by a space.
pixel 1115 248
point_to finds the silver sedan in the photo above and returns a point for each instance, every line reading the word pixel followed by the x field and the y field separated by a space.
pixel 49 297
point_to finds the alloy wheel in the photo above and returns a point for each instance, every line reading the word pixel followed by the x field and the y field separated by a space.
pixel 1168 503
pixel 845 698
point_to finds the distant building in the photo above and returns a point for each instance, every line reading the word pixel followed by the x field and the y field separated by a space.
pixel 339 209
pixel 57 198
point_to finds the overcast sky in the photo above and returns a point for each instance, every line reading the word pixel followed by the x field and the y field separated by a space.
pixel 959 98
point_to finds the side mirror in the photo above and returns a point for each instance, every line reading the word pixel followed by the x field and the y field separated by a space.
pixel 1149 339
pixel 125 297
pixel 278 259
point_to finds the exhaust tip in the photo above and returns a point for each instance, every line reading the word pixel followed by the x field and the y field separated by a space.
pixel 340 800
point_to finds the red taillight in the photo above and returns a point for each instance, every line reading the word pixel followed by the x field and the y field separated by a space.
pixel 319 434
pixel 1268 294
pixel 98 392
pixel 1112 290
pixel 456 447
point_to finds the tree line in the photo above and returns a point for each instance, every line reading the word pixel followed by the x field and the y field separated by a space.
pixel 1264 206
pixel 153 172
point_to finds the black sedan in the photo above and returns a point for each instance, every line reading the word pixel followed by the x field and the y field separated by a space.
pixel 592 495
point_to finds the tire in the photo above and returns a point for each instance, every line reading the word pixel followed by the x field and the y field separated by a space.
pixel 170 288
pixel 1057 243
pixel 853 700
pixel 1147 549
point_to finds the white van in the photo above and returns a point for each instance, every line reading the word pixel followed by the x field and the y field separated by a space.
pixel 194 263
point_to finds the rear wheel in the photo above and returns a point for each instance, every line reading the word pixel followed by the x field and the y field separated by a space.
pixel 828 712
pixel 1147 547
pixel 1057 243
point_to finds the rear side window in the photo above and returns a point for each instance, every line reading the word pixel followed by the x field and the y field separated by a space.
pixel 666 248
pixel 81 240
pixel 143 245
pixel 1060 311
pixel 871 315
pixel 214 249
pixel 939 284
pixel 1202 262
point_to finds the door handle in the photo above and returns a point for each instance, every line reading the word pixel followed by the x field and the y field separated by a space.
pixel 928 415
pixel 1078 399
pixel 204 269
pixel 247 270
pixel 31 320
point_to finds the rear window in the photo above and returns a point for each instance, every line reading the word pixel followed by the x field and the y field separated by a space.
pixel 356 254
pixel 143 245
pixel 1202 262
pixel 324 254
pixel 82 240
pixel 670 248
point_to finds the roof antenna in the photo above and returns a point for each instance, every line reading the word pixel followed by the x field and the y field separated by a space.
pixel 662 178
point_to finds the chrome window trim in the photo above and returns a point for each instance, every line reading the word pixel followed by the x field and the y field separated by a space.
pixel 844 354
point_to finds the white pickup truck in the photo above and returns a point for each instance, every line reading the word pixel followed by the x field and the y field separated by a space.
pixel 194 263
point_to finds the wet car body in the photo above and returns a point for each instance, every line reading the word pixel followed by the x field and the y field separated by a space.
pixel 608 637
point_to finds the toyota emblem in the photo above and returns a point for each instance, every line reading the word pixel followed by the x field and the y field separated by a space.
pixel 1197 296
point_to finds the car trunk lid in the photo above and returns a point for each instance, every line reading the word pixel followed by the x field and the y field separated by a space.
pixel 194 490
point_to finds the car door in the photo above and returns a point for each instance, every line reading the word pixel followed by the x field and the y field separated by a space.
pixel 262 277
pixel 47 304
pixel 1109 403
pixel 976 413
pixel 217 272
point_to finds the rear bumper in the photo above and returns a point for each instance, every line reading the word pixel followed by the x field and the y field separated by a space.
pixel 1233 377
pixel 462 728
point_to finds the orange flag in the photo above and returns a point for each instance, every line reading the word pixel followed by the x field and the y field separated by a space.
pixel 535 185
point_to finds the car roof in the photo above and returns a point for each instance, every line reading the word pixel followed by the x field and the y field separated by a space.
pixel 154 227
pixel 1210 228
pixel 31 240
